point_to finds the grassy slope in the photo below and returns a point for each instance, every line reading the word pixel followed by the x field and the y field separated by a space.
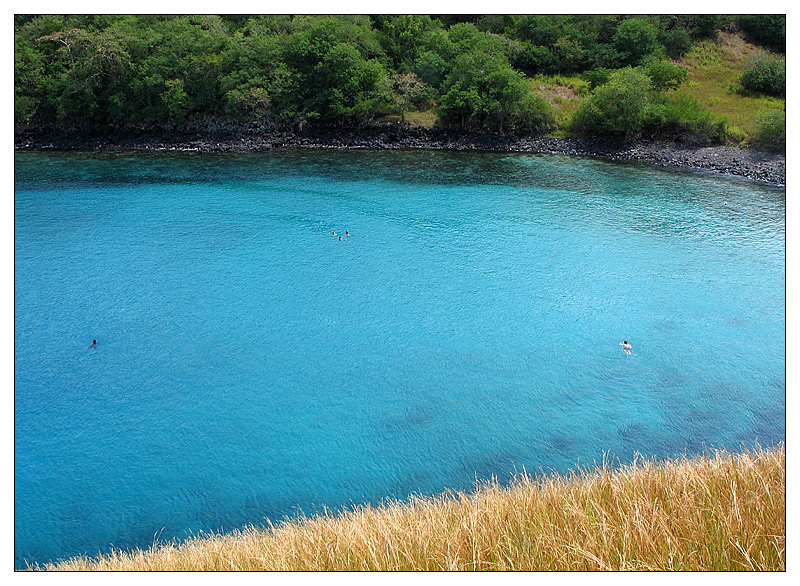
pixel 721 511
pixel 714 67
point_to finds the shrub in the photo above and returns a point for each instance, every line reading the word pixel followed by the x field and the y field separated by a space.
pixel 249 103
pixel 597 77
pixel 683 117
pixel 534 115
pixel 767 30
pixel 533 59
pixel 735 135
pixel 765 76
pixel 617 107
pixel 665 75
pixel 704 26
pixel 176 99
pixel 676 41
pixel 771 130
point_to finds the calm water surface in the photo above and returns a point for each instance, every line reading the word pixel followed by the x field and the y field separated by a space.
pixel 250 364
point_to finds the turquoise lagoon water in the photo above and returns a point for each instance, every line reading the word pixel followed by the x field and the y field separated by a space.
pixel 250 365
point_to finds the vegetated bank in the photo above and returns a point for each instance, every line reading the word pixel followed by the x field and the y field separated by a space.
pixel 721 511
pixel 654 88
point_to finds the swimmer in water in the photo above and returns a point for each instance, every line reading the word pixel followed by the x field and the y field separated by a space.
pixel 93 345
pixel 626 347
pixel 340 237
pixel 334 233
pixel 346 233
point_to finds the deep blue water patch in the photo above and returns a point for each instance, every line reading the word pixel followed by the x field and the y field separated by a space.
pixel 251 365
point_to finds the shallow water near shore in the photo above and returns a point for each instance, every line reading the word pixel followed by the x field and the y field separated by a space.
pixel 250 364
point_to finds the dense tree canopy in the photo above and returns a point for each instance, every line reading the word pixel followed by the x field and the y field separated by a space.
pixel 473 70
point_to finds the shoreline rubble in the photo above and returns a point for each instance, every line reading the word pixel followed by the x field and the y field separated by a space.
pixel 743 163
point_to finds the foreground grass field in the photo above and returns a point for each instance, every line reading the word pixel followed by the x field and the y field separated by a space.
pixel 721 511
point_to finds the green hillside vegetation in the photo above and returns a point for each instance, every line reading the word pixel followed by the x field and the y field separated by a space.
pixel 700 78
pixel 718 512
pixel 715 69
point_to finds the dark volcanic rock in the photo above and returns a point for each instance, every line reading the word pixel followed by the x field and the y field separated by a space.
pixel 216 136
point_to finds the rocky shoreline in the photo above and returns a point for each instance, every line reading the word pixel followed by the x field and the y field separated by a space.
pixel 758 166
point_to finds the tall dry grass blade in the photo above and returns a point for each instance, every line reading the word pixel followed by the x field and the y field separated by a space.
pixel 719 511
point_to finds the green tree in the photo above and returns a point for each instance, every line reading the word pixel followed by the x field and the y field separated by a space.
pixel 586 42
pixel 571 54
pixel 176 99
pixel 484 91
pixel 635 39
pixel 597 77
pixel 314 36
pixel 407 90
pixel 28 79
pixel 346 84
pixel 431 68
pixel 435 57
pixel 465 36
pixel 494 23
pixel 110 69
pixel 336 68
pixel 255 80
pixel 703 26
pixel 541 30
pixel 189 50
pixel 400 37
pixel 166 48
pixel 97 70
pixel 618 107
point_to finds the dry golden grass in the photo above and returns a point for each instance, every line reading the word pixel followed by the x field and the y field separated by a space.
pixel 563 93
pixel 426 119
pixel 722 511
pixel 413 118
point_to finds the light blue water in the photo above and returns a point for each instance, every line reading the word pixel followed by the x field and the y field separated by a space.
pixel 250 364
